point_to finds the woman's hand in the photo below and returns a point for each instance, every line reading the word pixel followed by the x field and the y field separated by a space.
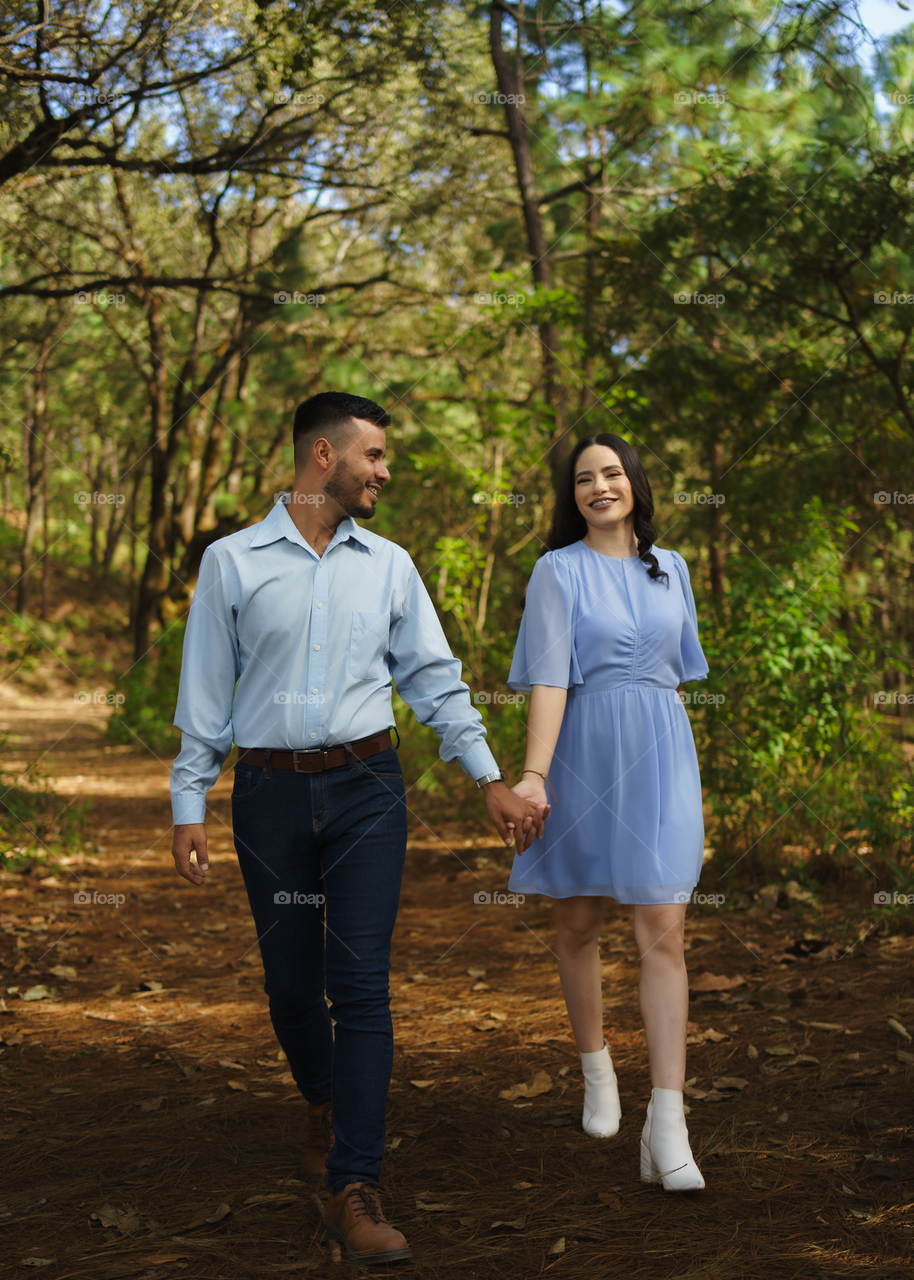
pixel 533 790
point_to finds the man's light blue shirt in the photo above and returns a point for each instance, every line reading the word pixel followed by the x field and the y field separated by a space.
pixel 290 650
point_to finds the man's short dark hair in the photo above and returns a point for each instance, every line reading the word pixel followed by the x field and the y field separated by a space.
pixel 329 414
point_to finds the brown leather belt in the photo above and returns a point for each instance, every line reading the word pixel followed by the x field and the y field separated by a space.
pixel 315 759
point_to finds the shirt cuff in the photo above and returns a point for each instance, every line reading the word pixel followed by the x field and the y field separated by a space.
pixel 478 762
pixel 188 806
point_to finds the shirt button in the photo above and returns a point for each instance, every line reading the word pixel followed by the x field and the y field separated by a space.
pixel 314 691
pixel 314 735
pixel 316 647
pixel 320 606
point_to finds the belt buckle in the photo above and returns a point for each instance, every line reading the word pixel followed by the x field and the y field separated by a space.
pixel 306 751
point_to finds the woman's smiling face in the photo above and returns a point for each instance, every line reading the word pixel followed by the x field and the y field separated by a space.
pixel 602 490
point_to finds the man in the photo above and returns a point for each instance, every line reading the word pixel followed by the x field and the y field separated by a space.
pixel 313 617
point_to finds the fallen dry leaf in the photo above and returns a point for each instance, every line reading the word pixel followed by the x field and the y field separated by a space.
pixel 476 973
pixel 37 993
pixel 715 982
pixel 540 1082
pixel 151 1104
pixel 123 1220
pixel 825 1026
pixel 751 1052
pixel 151 984
pixel 611 1201
pixel 900 1029
pixel 516 1225
pixel 729 1082
pixel 218 1214
pixel 432 1208
pixel 234 1066
pixel 238 1084
pixel 779 1050
pixel 65 971
pixel 905 1057
pixel 35 1262
pixel 559 1246
pixel 486 1025
pixel 522 1186
pixel 422 1084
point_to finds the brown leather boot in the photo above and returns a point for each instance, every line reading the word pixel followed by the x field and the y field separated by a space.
pixel 356 1219
pixel 320 1139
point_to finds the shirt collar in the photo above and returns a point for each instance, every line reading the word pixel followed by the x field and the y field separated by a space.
pixel 279 524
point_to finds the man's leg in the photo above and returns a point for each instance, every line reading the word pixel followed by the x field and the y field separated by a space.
pixel 280 860
pixel 363 850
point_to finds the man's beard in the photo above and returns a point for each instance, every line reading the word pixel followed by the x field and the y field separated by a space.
pixel 349 492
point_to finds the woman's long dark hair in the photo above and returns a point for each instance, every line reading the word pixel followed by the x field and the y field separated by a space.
pixel 568 525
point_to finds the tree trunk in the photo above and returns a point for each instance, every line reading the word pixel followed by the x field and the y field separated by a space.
pixel 35 466
pixel 154 579
pixel 511 86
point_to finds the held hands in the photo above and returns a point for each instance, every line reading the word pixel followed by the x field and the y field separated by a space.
pixel 511 811
pixel 533 792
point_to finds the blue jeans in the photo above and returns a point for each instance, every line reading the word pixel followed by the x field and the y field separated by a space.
pixel 339 835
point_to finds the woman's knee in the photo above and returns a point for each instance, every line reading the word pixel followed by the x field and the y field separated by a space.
pixel 660 933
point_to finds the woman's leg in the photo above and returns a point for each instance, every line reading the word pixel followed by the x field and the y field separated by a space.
pixel 659 934
pixel 578 923
pixel 665 1152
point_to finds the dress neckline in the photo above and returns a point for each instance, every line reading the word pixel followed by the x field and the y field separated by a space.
pixel 603 556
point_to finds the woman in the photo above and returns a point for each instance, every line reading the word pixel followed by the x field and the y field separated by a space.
pixel 609 633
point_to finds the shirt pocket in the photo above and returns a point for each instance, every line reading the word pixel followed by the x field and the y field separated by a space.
pixel 369 645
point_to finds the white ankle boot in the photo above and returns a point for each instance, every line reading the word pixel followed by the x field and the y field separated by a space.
pixel 602 1111
pixel 665 1152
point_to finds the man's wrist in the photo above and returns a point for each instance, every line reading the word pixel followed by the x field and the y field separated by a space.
pixel 487 778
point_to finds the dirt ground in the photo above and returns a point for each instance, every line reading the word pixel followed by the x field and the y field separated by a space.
pixel 149 1127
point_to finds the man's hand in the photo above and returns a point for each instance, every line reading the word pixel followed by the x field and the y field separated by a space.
pixel 510 813
pixel 190 838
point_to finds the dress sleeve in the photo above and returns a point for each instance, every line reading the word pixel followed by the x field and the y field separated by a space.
pixel 694 663
pixel 544 653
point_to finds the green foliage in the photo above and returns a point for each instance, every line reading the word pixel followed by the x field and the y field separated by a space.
pixel 150 690
pixel 792 755
pixel 35 822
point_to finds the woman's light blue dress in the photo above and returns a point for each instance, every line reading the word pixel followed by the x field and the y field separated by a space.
pixel 626 821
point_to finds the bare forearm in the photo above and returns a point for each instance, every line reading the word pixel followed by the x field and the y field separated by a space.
pixel 544 720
